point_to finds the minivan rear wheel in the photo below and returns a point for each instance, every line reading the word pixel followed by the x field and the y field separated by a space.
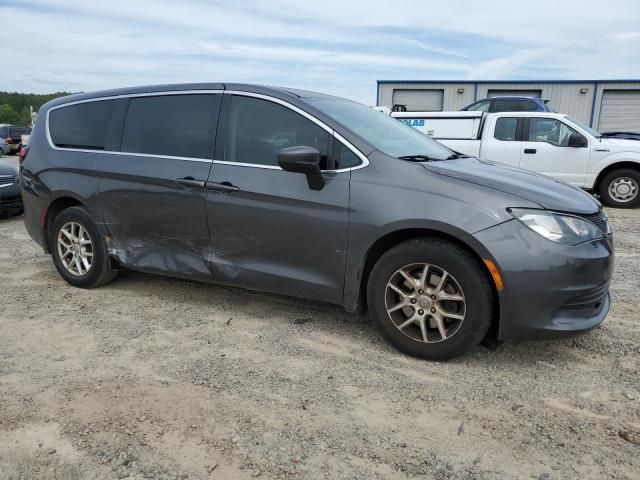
pixel 79 251
pixel 430 298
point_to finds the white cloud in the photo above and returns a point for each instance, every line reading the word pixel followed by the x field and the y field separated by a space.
pixel 335 46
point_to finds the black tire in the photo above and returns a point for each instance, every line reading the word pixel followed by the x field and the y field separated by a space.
pixel 101 271
pixel 611 177
pixel 471 278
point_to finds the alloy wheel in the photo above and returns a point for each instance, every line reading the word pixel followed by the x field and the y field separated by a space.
pixel 425 302
pixel 75 249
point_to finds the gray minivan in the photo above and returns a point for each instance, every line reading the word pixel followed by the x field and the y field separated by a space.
pixel 319 197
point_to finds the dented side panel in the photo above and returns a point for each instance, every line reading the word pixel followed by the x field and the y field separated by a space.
pixel 276 234
pixel 155 223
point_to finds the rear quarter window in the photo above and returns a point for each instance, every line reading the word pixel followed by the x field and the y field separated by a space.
pixel 20 131
pixel 84 125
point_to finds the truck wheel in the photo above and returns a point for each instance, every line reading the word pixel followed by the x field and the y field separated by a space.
pixel 621 188
pixel 430 298
pixel 78 250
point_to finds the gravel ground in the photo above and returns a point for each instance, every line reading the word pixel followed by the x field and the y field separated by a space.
pixel 151 377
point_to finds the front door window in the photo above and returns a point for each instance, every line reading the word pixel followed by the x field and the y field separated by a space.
pixel 258 129
pixel 550 130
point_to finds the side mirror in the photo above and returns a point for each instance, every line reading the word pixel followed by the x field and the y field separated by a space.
pixel 577 140
pixel 303 160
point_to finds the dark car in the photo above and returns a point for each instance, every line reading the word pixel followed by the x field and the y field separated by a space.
pixel 509 104
pixel 314 196
pixel 11 138
pixel 10 199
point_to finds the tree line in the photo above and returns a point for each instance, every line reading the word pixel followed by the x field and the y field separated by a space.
pixel 14 107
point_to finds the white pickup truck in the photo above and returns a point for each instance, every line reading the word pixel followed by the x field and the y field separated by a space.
pixel 553 144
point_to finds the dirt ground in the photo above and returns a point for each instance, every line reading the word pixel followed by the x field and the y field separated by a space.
pixel 151 377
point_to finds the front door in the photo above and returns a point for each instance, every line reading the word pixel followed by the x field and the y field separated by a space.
pixel 545 150
pixel 152 193
pixel 269 230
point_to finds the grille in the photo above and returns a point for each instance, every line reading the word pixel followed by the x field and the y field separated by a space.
pixel 6 180
pixel 600 220
pixel 11 198
pixel 589 299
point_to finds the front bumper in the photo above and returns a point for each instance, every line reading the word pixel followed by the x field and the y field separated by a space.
pixel 10 198
pixel 10 209
pixel 550 290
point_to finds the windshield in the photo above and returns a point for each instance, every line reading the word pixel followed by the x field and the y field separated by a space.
pixel 583 126
pixel 381 131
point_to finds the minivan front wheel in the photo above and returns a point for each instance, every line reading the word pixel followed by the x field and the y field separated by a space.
pixel 430 298
pixel 78 250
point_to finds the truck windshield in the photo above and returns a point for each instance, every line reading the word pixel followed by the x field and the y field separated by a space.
pixel 584 126
pixel 381 131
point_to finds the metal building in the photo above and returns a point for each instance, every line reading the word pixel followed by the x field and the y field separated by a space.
pixel 607 105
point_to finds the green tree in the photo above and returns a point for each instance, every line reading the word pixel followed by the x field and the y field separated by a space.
pixel 19 103
pixel 25 117
pixel 8 114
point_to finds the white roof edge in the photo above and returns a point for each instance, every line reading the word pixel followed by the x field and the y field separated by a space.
pixel 457 114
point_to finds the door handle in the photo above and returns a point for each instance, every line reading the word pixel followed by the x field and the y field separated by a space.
pixel 222 187
pixel 191 182
pixel 529 150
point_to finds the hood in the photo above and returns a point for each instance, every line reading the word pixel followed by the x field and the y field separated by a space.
pixel 8 169
pixel 627 144
pixel 547 192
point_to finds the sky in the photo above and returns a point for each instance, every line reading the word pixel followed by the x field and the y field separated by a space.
pixel 339 47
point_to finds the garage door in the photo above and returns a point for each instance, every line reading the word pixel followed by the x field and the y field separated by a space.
pixel 419 100
pixel 620 111
pixel 516 93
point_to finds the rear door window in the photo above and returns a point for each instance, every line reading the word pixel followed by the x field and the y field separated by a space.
pixel 506 129
pixel 172 125
pixel 89 126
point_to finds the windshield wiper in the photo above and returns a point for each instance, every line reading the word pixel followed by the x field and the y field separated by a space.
pixel 416 158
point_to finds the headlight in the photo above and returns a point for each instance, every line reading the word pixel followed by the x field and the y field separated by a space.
pixel 564 229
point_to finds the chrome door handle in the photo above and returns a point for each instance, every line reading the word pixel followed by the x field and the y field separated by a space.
pixel 222 187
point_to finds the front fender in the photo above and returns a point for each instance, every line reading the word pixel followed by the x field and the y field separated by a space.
pixel 413 201
pixel 596 167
